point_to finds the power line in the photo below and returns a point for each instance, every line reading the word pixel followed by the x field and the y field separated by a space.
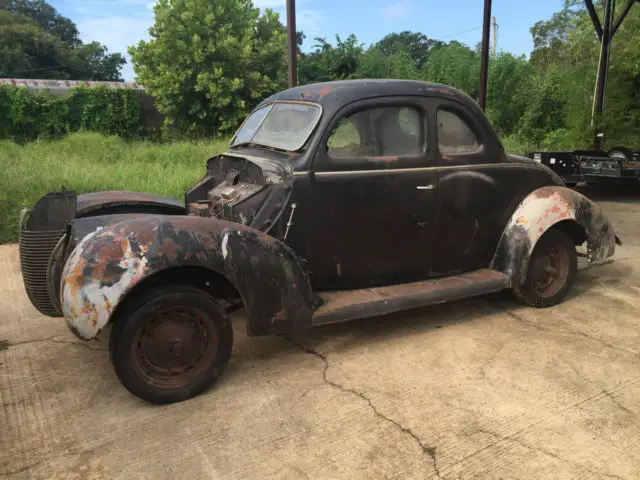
pixel 459 33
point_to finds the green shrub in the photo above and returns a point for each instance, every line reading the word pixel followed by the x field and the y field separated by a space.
pixel 27 116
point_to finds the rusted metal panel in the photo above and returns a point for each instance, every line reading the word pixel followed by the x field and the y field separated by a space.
pixel 340 306
pixel 108 263
pixel 537 213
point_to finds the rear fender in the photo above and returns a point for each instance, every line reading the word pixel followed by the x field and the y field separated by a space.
pixel 540 211
pixel 108 263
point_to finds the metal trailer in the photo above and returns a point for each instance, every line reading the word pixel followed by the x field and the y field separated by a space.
pixel 619 165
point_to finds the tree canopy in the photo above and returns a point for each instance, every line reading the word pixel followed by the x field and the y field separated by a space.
pixel 543 101
pixel 37 42
pixel 207 63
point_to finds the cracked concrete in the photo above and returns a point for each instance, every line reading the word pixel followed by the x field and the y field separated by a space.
pixel 430 451
pixel 55 339
pixel 483 388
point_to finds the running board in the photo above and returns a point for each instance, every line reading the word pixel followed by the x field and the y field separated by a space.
pixel 345 305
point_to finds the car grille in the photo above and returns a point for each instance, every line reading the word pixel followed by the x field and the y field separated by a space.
pixel 36 248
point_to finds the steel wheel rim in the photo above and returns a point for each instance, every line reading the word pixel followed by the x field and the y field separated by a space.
pixel 175 347
pixel 550 270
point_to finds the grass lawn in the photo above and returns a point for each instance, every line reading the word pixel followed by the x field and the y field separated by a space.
pixel 87 162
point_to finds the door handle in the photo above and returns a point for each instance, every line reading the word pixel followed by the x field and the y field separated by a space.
pixel 425 187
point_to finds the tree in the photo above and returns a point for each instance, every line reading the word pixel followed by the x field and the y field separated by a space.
pixel 92 61
pixel 457 65
pixel 327 62
pixel 416 46
pixel 37 42
pixel 48 18
pixel 27 50
pixel 510 80
pixel 566 52
pixel 375 64
pixel 207 63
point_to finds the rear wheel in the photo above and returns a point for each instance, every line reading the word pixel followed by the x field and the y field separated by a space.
pixel 170 344
pixel 552 270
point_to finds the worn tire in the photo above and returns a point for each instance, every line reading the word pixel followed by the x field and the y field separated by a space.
pixel 528 293
pixel 176 316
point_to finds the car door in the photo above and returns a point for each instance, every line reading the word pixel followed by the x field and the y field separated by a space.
pixel 373 197
pixel 474 195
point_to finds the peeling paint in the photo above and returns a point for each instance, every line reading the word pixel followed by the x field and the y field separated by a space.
pixel 87 302
pixel 105 266
pixel 537 213
pixel 225 252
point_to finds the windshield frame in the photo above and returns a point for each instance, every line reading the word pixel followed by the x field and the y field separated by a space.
pixel 269 106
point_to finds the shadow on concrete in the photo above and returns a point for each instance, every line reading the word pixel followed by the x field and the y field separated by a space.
pixel 629 193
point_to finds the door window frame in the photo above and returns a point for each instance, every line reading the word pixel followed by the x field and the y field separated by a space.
pixel 479 156
pixel 322 161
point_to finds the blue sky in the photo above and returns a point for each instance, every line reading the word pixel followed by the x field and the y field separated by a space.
pixel 120 23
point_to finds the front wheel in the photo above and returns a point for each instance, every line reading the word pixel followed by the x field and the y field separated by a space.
pixel 552 270
pixel 170 344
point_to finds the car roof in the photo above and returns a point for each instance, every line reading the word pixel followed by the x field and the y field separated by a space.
pixel 335 94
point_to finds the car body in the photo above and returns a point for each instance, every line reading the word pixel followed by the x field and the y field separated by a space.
pixel 335 201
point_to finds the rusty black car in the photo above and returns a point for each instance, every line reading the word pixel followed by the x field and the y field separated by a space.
pixel 334 201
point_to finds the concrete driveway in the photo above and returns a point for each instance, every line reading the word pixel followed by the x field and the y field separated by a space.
pixel 483 388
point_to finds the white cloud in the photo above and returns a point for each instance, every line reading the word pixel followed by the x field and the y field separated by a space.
pixel 396 10
pixel 309 21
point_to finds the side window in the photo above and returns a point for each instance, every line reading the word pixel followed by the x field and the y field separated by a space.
pixel 454 134
pixel 378 132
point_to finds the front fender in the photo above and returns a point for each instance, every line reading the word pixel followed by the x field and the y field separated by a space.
pixel 99 203
pixel 538 212
pixel 107 264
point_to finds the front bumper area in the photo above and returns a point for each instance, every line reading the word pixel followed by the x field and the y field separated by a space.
pixel 36 251
pixel 42 234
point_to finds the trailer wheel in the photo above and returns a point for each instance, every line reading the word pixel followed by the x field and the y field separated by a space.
pixel 621 152
pixel 171 344
pixel 552 270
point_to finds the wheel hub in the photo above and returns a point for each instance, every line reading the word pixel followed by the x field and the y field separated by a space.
pixel 549 270
pixel 175 346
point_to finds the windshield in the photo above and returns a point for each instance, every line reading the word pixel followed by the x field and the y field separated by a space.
pixel 281 125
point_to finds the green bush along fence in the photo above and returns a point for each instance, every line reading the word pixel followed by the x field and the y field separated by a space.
pixel 27 116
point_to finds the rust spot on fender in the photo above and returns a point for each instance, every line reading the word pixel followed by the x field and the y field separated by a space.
pixel 326 90
pixel 169 248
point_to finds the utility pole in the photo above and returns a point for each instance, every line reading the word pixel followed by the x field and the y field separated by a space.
pixel 494 36
pixel 605 32
pixel 292 42
pixel 484 60
pixel 603 63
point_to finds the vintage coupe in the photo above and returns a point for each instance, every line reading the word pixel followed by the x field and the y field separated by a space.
pixel 335 201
